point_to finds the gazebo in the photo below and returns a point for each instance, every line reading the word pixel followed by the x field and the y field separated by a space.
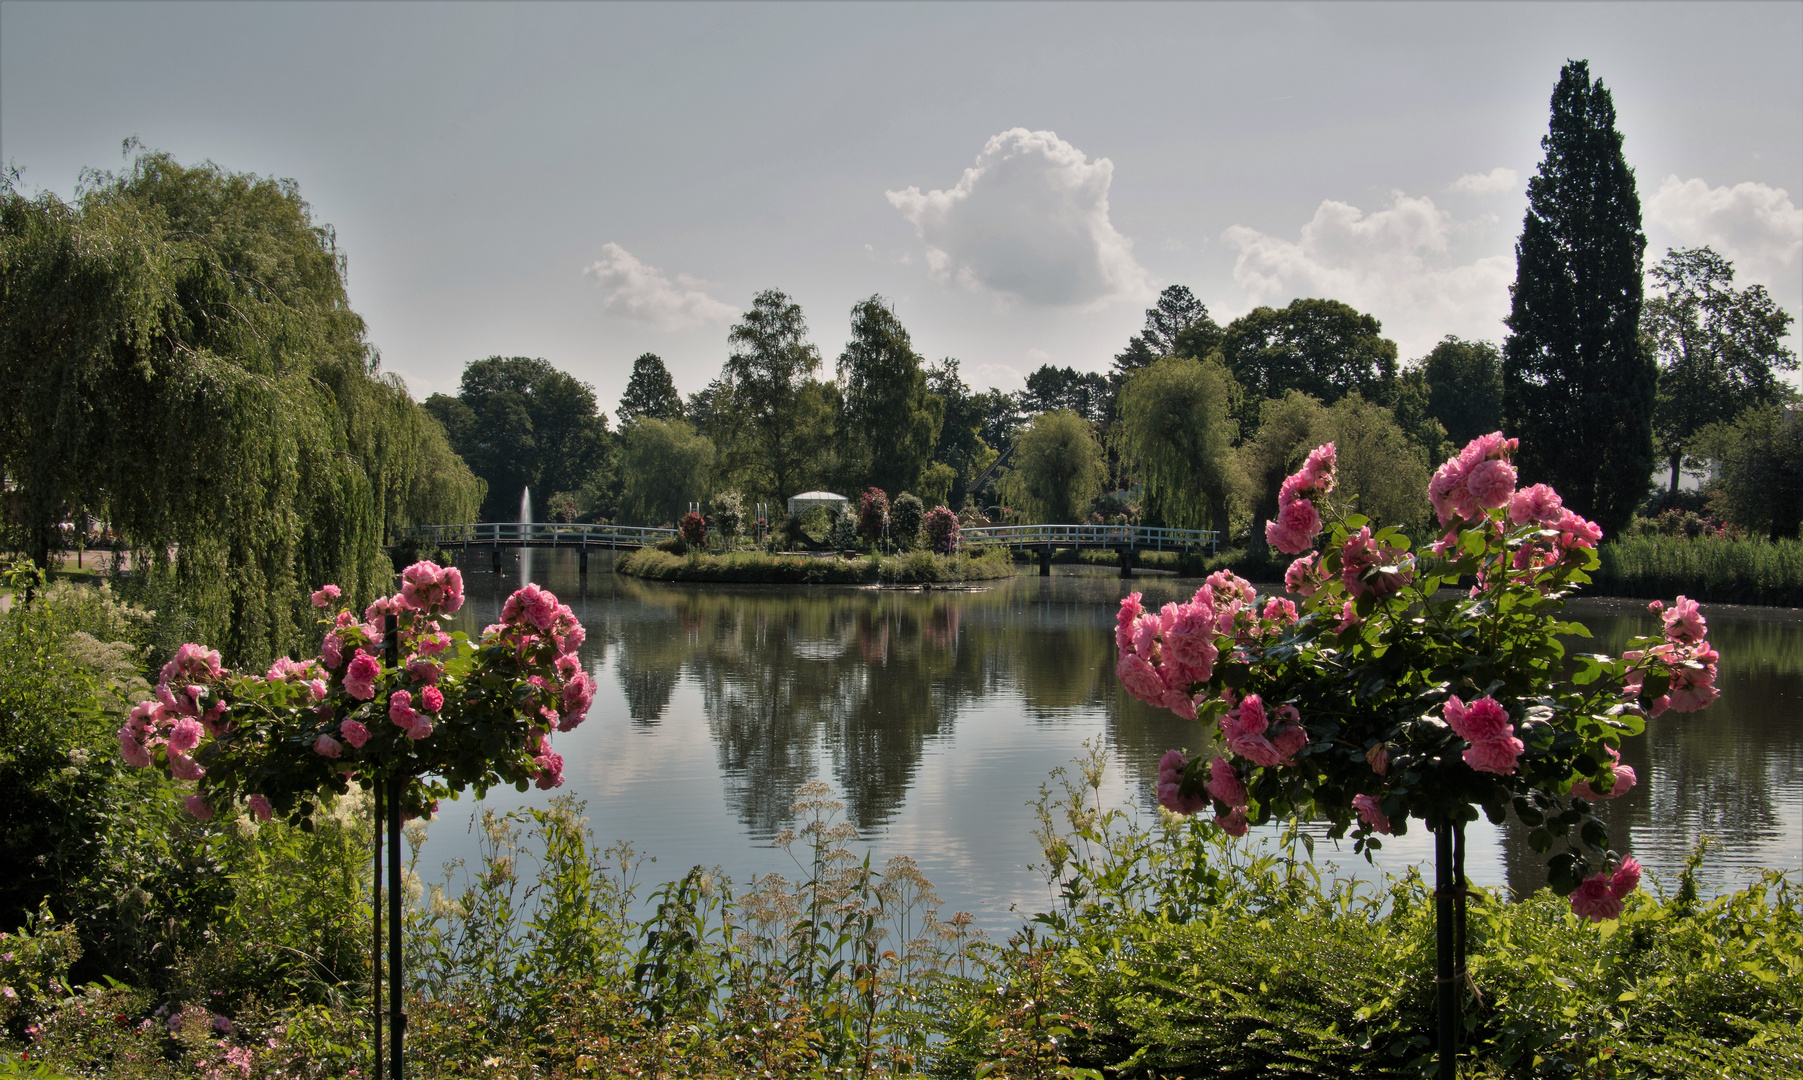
pixel 800 504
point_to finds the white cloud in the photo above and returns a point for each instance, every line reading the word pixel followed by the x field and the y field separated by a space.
pixel 1028 222
pixel 645 294
pixel 1755 226
pixel 1038 355
pixel 1397 264
pixel 1497 179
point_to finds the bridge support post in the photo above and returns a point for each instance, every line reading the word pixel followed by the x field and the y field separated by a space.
pixel 1045 561
pixel 495 563
pixel 582 562
pixel 1127 557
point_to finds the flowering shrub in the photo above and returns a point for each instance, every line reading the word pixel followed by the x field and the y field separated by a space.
pixel 452 713
pixel 943 533
pixel 873 514
pixel 1391 692
pixel 693 528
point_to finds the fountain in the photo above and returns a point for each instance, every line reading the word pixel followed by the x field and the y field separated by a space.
pixel 525 538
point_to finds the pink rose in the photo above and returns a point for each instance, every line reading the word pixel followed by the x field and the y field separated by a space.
pixel 326 746
pixel 433 698
pixel 572 639
pixel 132 750
pixel 1279 610
pixel 1371 812
pixel 1189 639
pixel 1170 785
pixel 1303 577
pixel 1491 483
pixel 326 596
pixel 550 773
pixel 1233 824
pixel 316 689
pixel 1317 472
pixel 1349 617
pixel 1594 900
pixel 1623 780
pixel 1498 755
pixel 331 650
pixel 420 728
pixel 1626 878
pixel 1379 758
pixel 453 590
pixel 198 807
pixel 1484 718
pixel 360 676
pixel 1225 784
pixel 183 767
pixel 1288 742
pixel 1539 504
pixel 259 807
pixel 354 733
pixel 192 663
pixel 1684 623
pixel 185 735
pixel 1140 679
pixel 578 693
pixel 1125 620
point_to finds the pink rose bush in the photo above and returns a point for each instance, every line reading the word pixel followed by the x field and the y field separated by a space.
pixel 447 713
pixel 1400 684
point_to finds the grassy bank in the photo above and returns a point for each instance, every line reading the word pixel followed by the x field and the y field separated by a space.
pixel 1725 571
pixel 760 568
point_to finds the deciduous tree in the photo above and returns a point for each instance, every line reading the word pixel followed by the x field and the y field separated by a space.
pixel 782 426
pixel 1323 348
pixel 664 466
pixel 1177 433
pixel 1057 468
pixel 1465 388
pixel 1719 349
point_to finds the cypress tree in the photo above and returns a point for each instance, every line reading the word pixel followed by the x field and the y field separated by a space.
pixel 1578 384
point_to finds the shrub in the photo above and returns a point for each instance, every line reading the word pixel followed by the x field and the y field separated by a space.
pixel 842 535
pixel 729 514
pixel 943 532
pixel 905 520
pixel 694 530
pixel 873 514
pixel 1726 571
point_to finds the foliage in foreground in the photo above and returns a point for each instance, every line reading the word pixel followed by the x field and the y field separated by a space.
pixel 1172 950
pixel 914 568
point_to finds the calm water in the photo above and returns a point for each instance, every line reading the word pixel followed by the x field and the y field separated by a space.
pixel 935 717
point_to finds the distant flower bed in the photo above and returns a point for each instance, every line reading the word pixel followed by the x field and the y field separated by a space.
pixel 759 568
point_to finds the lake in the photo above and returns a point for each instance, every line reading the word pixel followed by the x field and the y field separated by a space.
pixel 935 718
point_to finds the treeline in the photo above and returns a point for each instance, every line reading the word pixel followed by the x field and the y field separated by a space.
pixel 182 376
pixel 1195 423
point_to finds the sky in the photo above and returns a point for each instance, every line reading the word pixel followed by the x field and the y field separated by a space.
pixel 588 182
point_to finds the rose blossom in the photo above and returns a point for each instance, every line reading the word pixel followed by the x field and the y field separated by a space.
pixel 354 733
pixel 1225 784
pixel 1538 504
pixel 1303 577
pixel 199 807
pixel 1170 785
pixel 183 767
pixel 326 746
pixel 1140 679
pixel 1125 620
pixel 1379 758
pixel 578 693
pixel 1491 483
pixel 259 807
pixel 1623 782
pixel 433 698
pixel 132 750
pixel 1371 812
pixel 1233 824
pixel 185 735
pixel 360 677
pixel 326 596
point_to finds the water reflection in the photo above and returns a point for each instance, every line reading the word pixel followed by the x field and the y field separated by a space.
pixel 937 715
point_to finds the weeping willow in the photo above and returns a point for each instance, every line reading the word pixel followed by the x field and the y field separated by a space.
pixel 179 359
pixel 1177 432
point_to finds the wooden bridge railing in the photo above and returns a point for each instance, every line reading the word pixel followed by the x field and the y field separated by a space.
pixel 536 534
pixel 1137 537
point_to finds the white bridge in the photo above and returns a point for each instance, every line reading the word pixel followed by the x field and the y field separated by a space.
pixel 1127 540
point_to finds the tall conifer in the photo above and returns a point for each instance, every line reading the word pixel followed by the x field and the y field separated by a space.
pixel 1578 385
